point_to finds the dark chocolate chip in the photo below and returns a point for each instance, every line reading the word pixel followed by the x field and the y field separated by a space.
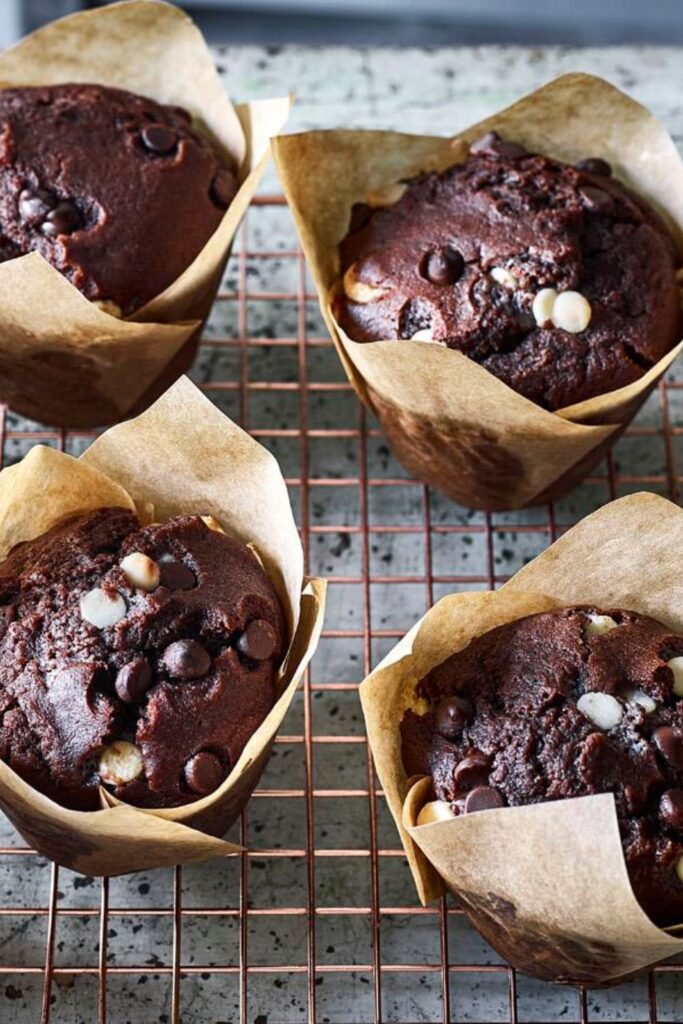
pixel 34 205
pixel 223 188
pixel 443 266
pixel 671 809
pixel 204 772
pixel 595 199
pixel 360 216
pixel 186 659
pixel 63 220
pixel 472 771
pixel 451 716
pixel 259 641
pixel 594 165
pixel 133 681
pixel 159 139
pixel 669 743
pixel 491 144
pixel 483 798
pixel 176 576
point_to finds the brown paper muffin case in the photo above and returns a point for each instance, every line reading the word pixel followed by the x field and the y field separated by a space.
pixel 180 456
pixel 62 360
pixel 546 884
pixel 449 421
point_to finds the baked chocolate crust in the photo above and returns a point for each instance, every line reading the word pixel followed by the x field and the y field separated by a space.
pixel 116 191
pixel 459 257
pixel 158 704
pixel 510 724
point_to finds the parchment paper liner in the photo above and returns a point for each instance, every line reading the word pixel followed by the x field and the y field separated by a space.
pixel 182 455
pixel 62 360
pixel 449 421
pixel 546 885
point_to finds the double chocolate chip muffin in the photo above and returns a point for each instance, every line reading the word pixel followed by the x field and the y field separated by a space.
pixel 116 191
pixel 141 658
pixel 557 279
pixel 565 704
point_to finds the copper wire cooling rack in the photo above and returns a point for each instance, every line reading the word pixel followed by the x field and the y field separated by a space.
pixel 318 921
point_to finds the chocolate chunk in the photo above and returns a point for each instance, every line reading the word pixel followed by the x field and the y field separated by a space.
pixel 223 188
pixel 451 716
pixel 186 659
pixel 594 165
pixel 669 743
pixel 671 809
pixel 63 220
pixel 176 576
pixel 472 771
pixel 483 798
pixel 491 144
pixel 159 139
pixel 133 681
pixel 34 205
pixel 597 200
pixel 443 266
pixel 204 772
pixel 258 641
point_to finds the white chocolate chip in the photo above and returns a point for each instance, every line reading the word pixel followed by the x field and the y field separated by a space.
pixel 543 305
pixel 107 306
pixel 102 610
pixel 502 276
pixel 602 709
pixel 120 763
pixel 642 699
pixel 213 524
pixel 676 666
pixel 357 290
pixel 435 810
pixel 424 335
pixel 679 868
pixel 571 312
pixel 598 624
pixel 141 571
pixel 387 195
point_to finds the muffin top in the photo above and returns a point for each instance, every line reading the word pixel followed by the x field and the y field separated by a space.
pixel 139 658
pixel 557 279
pixel 566 704
pixel 116 191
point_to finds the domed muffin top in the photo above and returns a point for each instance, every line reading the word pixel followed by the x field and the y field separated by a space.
pixel 557 279
pixel 139 658
pixel 116 191
pixel 566 704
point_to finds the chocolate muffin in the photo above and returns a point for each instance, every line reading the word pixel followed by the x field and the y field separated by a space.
pixel 565 704
pixel 557 279
pixel 116 191
pixel 137 657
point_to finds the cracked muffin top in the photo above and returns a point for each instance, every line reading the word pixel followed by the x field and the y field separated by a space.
pixel 557 279
pixel 141 658
pixel 116 191
pixel 564 704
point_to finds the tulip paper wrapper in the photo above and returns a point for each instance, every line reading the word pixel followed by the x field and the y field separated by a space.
pixel 62 360
pixel 449 421
pixel 545 884
pixel 181 456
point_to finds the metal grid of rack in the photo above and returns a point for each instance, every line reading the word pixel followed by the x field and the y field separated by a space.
pixel 317 921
